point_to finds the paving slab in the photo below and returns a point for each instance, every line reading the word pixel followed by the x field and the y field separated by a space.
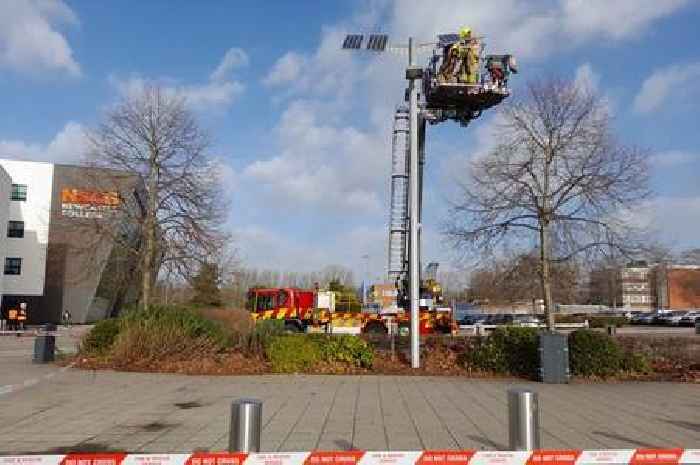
pixel 70 409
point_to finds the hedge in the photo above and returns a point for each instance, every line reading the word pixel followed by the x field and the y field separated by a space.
pixel 509 350
pixel 300 352
pixel 101 337
pixel 592 353
pixel 292 353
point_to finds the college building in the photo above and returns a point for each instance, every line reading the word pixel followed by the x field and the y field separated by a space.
pixel 660 286
pixel 68 236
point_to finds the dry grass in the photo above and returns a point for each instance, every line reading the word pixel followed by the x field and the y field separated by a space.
pixel 235 320
pixel 139 343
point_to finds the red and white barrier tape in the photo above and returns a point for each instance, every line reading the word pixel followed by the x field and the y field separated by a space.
pixel 467 457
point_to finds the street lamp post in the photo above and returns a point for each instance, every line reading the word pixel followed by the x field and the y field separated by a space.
pixel 413 73
pixel 472 98
pixel 378 43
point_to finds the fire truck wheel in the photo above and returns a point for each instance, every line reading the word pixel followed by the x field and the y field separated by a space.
pixel 291 327
pixel 375 328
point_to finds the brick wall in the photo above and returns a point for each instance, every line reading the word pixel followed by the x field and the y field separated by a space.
pixel 683 287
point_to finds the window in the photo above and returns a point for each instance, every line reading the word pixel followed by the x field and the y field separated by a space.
pixel 13 266
pixel 265 302
pixel 15 229
pixel 282 298
pixel 19 192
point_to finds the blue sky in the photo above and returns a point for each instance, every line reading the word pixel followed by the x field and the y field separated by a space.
pixel 302 130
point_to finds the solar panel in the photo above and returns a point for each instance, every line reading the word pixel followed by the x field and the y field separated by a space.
pixel 353 41
pixel 377 42
pixel 447 39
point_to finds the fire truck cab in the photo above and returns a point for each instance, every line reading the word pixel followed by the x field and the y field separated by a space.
pixel 294 306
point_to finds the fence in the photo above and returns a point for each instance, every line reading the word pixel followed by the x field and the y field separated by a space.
pixel 466 457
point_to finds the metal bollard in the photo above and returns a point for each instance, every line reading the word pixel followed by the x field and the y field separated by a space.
pixel 45 345
pixel 246 426
pixel 523 420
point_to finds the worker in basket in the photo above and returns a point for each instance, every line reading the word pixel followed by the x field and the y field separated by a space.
pixel 500 67
pixel 461 62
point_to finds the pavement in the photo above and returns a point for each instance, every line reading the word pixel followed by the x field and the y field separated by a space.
pixel 66 409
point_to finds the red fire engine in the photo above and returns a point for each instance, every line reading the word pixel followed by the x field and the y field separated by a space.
pixel 301 309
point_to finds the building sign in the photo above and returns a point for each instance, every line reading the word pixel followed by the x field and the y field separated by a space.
pixel 76 203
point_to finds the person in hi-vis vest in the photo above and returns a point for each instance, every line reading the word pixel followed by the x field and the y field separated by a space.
pixel 12 319
pixel 22 315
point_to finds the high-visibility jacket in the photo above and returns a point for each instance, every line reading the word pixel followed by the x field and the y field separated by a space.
pixel 12 314
pixel 22 315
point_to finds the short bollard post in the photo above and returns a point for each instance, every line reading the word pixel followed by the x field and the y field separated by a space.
pixel 246 426
pixel 523 420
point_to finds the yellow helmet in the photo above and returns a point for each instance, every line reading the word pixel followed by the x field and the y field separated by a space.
pixel 465 33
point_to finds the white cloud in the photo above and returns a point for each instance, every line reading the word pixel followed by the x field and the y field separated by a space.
pixel 595 19
pixel 666 83
pixel 233 58
pixel 320 164
pixel 67 146
pixel 212 94
pixel 587 78
pixel 286 69
pixel 673 158
pixel 217 93
pixel 265 248
pixel 29 39
pixel 531 29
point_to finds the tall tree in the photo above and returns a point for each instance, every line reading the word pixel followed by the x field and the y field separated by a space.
pixel 152 133
pixel 557 181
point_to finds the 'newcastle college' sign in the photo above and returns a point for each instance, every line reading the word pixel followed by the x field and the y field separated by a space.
pixel 76 203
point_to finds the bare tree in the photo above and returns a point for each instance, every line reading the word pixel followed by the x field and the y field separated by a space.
pixel 179 216
pixel 513 279
pixel 557 181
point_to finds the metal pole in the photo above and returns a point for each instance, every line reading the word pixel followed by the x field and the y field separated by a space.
pixel 246 426
pixel 523 420
pixel 413 259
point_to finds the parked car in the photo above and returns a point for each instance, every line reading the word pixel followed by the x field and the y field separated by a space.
pixel 689 318
pixel 672 318
pixel 500 319
pixel 527 321
pixel 473 319
pixel 643 319
pixel 659 319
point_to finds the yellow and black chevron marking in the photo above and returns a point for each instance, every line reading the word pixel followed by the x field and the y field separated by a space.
pixel 280 314
pixel 347 319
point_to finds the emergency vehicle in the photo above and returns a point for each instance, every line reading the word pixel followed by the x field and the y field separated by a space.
pixel 310 310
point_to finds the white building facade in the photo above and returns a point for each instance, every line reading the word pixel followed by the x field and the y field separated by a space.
pixel 46 212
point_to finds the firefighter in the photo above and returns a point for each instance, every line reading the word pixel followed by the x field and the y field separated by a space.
pixel 461 63
pixel 469 51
